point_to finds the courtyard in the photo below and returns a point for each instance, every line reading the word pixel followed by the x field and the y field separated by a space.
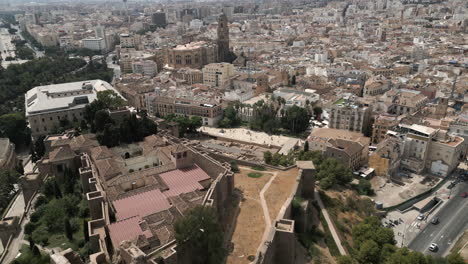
pixel 261 200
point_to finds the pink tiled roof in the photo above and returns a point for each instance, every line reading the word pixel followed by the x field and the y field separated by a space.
pixel 127 229
pixel 141 204
pixel 183 180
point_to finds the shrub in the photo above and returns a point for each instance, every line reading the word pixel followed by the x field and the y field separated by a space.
pixel 259 168
pixel 255 175
pixel 29 228
pixel 40 201
pixel 234 166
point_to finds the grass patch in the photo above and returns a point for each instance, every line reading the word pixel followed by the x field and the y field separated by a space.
pixel 341 101
pixel 27 257
pixel 259 168
pixel 255 175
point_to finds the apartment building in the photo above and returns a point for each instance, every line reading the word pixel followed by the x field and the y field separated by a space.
pixel 382 124
pixel 161 105
pixel 47 105
pixel 430 149
pixel 350 148
pixel 405 101
pixel 218 74
pixel 376 86
pixel 347 152
pixel 127 41
pixel 134 91
pixel 145 67
pixel 189 75
pixel 349 115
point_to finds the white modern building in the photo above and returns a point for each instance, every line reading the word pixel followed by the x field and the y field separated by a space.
pixel 94 44
pixel 47 105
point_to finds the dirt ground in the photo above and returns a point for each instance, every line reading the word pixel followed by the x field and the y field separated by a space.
pixel 250 223
pixel 279 191
pixel 392 194
pixel 462 246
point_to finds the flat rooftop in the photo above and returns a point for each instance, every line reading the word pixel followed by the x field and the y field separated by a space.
pixel 247 136
pixel 54 97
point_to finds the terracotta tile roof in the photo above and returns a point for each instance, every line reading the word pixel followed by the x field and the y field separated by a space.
pixel 184 180
pixel 101 152
pixel 84 141
pixel 127 229
pixel 109 168
pixel 61 153
pixel 141 204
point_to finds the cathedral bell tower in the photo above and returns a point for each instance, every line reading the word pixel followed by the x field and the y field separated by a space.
pixel 223 39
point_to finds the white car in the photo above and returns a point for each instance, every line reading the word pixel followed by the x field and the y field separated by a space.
pixel 421 217
pixel 433 247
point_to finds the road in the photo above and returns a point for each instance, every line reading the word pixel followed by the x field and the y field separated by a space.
pixel 38 53
pixel 453 221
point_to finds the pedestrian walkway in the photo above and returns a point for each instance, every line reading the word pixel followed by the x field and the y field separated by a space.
pixel 330 225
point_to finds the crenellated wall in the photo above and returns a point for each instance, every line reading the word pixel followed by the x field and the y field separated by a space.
pixel 280 244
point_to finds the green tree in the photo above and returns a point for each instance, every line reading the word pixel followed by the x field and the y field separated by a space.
pixel 317 112
pixel 69 181
pixel 199 235
pixel 57 191
pixel 234 166
pixel 369 253
pixel 267 157
pixel 364 187
pixel 84 52
pixel 110 136
pixel 194 123
pixel 36 251
pixel 327 182
pixel 346 260
pixel 7 179
pixel 31 243
pixel 101 119
pixel 295 119
pixel 110 99
pixel 68 229
pixel 455 258
pixel 53 216
pixel 230 118
pixel 85 230
pixel 14 126
pixel 39 148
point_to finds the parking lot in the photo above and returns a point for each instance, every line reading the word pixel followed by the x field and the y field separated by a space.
pixel 406 225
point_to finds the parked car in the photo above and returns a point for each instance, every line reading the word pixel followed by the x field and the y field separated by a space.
pixel 435 220
pixel 421 217
pixel 433 247
pixel 464 195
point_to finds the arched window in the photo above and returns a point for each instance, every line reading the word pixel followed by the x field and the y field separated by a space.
pixel 188 59
pixel 178 59
pixel 196 59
